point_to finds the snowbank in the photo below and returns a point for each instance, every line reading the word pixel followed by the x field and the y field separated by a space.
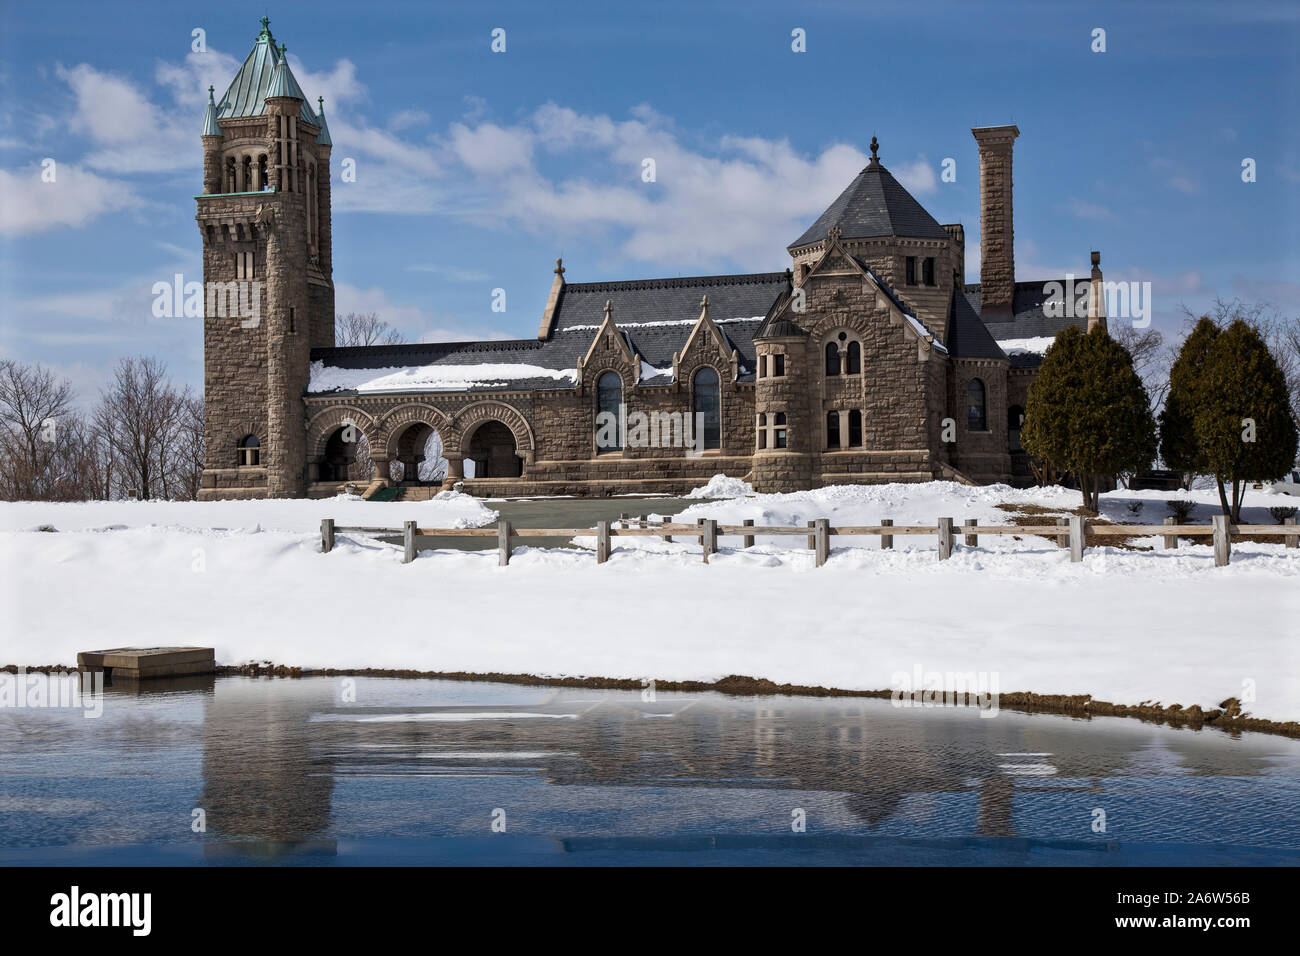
pixel 720 486
pixel 448 510
pixel 248 579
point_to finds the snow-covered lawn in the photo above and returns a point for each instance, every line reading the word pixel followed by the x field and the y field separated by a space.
pixel 248 579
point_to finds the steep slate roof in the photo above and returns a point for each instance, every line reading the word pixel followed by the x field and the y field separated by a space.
pixel 874 204
pixel 776 324
pixel 247 93
pixel 749 296
pixel 1028 318
pixel 968 337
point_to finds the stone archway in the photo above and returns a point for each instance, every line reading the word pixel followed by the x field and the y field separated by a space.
pixel 340 445
pixel 492 448
pixel 409 434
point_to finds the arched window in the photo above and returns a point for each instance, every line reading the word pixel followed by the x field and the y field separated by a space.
pixel 708 403
pixel 855 359
pixel 609 399
pixel 832 430
pixel 1015 419
pixel 976 420
pixel 250 451
pixel 832 358
pixel 262 179
pixel 855 429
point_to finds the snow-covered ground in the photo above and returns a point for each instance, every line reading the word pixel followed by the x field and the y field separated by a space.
pixel 248 579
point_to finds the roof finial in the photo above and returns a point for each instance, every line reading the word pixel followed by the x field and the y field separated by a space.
pixel 283 49
pixel 266 26
pixel 609 307
pixel 704 302
pixel 320 104
pixel 211 90
pixel 559 267
pixel 875 147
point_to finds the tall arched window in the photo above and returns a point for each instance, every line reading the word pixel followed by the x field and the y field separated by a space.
pixel 855 429
pixel 1015 419
pixel 609 399
pixel 262 179
pixel 832 430
pixel 832 359
pixel 250 451
pixel 976 419
pixel 708 403
pixel 855 359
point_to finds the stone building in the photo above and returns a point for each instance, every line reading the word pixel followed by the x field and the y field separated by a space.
pixel 869 360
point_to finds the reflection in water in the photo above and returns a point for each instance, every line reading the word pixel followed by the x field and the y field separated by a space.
pixel 284 768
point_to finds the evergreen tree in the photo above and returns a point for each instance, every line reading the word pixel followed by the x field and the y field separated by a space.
pixel 1088 411
pixel 1178 446
pixel 1242 421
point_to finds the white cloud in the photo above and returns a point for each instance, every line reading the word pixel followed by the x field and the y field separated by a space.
pixel 917 176
pixel 77 196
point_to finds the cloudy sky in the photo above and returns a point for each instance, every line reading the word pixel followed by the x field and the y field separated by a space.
pixel 476 169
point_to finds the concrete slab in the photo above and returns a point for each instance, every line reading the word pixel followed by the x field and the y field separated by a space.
pixel 143 663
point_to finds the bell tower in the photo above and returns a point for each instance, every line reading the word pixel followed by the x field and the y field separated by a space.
pixel 264 218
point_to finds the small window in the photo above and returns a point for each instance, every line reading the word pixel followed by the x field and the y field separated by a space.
pixel 1015 419
pixel 762 431
pixel 778 364
pixel 927 270
pixel 250 451
pixel 780 430
pixel 855 428
pixel 832 429
pixel 855 359
pixel 832 358
pixel 911 270
pixel 976 420
pixel 762 366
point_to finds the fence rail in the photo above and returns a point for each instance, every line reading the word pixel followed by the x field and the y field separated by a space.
pixel 1069 533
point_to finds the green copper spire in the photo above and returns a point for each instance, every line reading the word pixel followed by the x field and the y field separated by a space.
pixel 266 28
pixel 323 138
pixel 210 127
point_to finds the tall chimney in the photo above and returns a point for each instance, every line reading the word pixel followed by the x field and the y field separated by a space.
pixel 997 237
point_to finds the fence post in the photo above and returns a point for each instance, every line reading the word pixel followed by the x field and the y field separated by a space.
pixel 886 540
pixel 503 542
pixel 812 538
pixel 668 539
pixel 1063 535
pixel 1076 538
pixel 945 539
pixel 972 539
pixel 1292 539
pixel 1222 547
pixel 602 541
pixel 747 541
pixel 326 535
pixel 1170 540
pixel 709 538
pixel 823 536
pixel 408 539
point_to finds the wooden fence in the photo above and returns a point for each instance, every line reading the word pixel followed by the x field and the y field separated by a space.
pixel 1070 533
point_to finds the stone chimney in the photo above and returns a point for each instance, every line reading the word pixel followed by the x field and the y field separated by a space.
pixel 997 237
pixel 1096 296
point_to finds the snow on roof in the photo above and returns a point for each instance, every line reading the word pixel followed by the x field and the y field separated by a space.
pixel 1032 346
pixel 925 333
pixel 428 378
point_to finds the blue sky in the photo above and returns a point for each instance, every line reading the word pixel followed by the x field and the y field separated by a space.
pixel 475 169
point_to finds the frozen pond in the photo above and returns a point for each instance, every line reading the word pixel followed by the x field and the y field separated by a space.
pixel 338 771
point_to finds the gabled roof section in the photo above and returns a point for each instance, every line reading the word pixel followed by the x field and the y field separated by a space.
pixel 610 328
pixel 705 326
pixel 777 322
pixel 247 93
pixel 874 205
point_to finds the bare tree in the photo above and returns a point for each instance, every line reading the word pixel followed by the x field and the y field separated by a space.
pixel 35 406
pixel 364 328
pixel 1151 360
pixel 140 415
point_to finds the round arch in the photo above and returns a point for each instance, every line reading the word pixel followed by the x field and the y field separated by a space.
pixel 470 418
